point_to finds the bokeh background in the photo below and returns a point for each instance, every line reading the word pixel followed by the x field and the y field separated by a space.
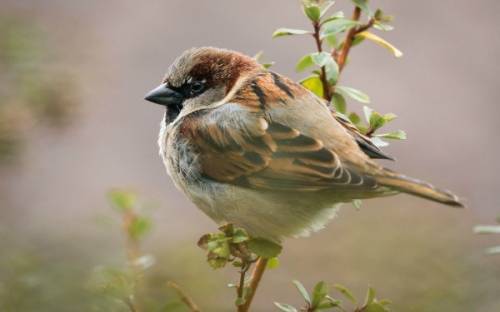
pixel 73 124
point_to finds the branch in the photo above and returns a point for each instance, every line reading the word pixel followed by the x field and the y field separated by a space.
pixel 188 301
pixel 257 274
pixel 341 57
pixel 326 87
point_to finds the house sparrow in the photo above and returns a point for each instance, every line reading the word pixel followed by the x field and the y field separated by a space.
pixel 253 148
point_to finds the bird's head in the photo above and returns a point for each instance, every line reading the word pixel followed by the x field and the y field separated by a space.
pixel 199 77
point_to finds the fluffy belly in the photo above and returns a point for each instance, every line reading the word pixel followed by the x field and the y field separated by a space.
pixel 272 215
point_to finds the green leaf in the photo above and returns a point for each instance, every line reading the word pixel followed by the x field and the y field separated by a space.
pixel 363 5
pixel 305 62
pixel 302 291
pixel 380 41
pixel 139 227
pixel 239 301
pixel 376 121
pixel 487 229
pixel 273 263
pixel 326 8
pixel 122 201
pixel 313 84
pixel 319 293
pixel 375 307
pixel 493 250
pixel 354 94
pixel 289 32
pixel 312 11
pixel 285 307
pixel 394 135
pixel 357 203
pixel 354 118
pixel 337 25
pixel 329 303
pixel 383 26
pixel 389 117
pixel 240 236
pixel 339 103
pixel 378 142
pixel 264 248
pixel 331 40
pixel 321 58
pixel 370 296
pixel 346 292
pixel 332 71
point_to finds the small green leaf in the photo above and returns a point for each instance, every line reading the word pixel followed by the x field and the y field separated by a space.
pixel 329 303
pixel 493 250
pixel 383 26
pixel 353 93
pixel 240 236
pixel 122 200
pixel 305 62
pixel 378 40
pixel 264 248
pixel 313 84
pixel 376 121
pixel 487 229
pixel 319 293
pixel 331 40
pixel 239 301
pixel 339 103
pixel 370 296
pixel 332 71
pixel 321 58
pixel 302 290
pixel 273 263
pixel 395 135
pixel 367 112
pixel 346 292
pixel 357 203
pixel 289 32
pixel 337 25
pixel 312 11
pixel 354 118
pixel 389 117
pixel 285 307
pixel 378 142
pixel 327 7
pixel 139 227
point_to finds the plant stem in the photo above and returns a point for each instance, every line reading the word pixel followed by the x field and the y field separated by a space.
pixel 326 87
pixel 257 273
pixel 188 301
pixel 346 47
pixel 240 290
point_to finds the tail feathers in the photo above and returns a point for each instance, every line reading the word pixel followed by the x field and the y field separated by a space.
pixel 418 188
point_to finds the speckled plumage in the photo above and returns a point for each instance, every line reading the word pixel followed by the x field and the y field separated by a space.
pixel 260 151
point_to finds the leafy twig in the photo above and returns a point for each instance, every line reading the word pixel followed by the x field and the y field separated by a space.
pixel 327 94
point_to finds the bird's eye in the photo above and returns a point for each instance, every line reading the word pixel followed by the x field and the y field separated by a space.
pixel 197 87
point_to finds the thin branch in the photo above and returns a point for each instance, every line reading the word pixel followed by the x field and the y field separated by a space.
pixel 187 300
pixel 341 56
pixel 257 274
pixel 240 290
pixel 346 47
pixel 326 87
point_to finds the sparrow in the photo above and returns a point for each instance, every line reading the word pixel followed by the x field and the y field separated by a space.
pixel 251 147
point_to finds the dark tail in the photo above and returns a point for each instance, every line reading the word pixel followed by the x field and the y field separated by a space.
pixel 419 188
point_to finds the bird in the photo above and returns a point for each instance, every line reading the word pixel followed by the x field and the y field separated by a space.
pixel 253 148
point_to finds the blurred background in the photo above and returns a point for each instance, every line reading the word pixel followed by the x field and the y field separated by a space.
pixel 73 125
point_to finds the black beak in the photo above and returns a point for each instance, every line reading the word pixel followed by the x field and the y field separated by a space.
pixel 163 95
